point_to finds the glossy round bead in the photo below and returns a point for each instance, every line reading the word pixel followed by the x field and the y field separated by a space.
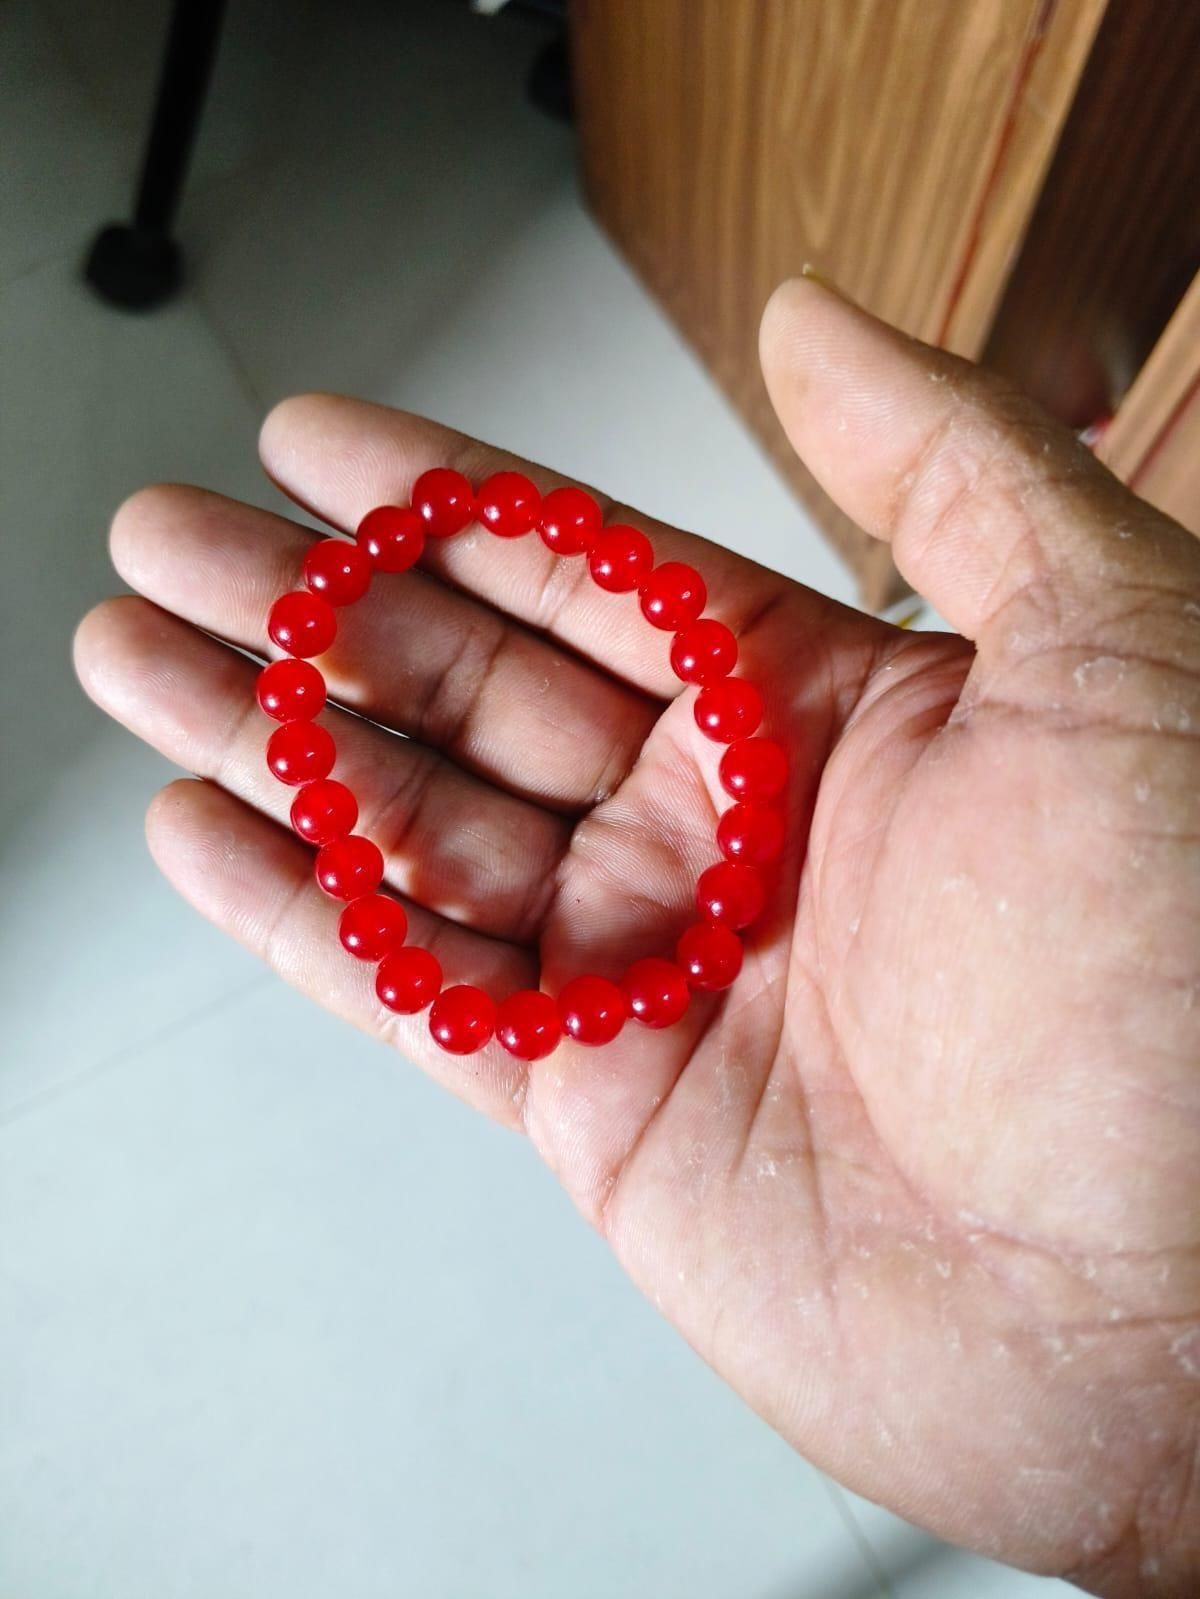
pixel 444 500
pixel 620 559
pixel 592 1010
pixel 372 927
pixel 338 571
pixel 302 623
pixel 731 892
pixel 462 1019
pixel 656 992
pixel 710 954
pixel 324 811
pixel 508 504
pixel 393 537
pixel 408 980
pixel 751 832
pixel 754 769
pixel 349 867
pixel 290 690
pixel 673 596
pixel 569 522
pixel 705 652
pixel 298 752
pixel 528 1024
pixel 730 709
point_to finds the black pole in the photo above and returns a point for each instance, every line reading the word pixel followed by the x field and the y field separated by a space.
pixel 138 265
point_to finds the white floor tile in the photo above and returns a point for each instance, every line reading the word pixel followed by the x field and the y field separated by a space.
pixel 92 405
pixel 279 1318
pixel 60 176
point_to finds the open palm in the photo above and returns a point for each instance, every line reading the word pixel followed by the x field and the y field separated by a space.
pixel 923 1184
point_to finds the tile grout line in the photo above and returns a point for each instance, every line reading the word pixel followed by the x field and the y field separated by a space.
pixel 118 1057
pixel 865 1547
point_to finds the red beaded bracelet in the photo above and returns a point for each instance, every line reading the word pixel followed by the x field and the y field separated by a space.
pixel 730 894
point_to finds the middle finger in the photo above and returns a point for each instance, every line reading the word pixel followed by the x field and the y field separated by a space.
pixel 413 654
pixel 458 846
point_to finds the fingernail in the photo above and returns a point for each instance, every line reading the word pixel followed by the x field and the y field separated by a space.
pixel 815 275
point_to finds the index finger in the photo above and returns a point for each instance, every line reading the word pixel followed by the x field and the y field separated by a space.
pixel 341 457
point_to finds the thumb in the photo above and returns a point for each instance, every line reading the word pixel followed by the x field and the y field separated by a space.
pixel 995 513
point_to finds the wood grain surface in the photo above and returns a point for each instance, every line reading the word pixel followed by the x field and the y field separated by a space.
pixel 1154 440
pixel 1115 239
pixel 899 145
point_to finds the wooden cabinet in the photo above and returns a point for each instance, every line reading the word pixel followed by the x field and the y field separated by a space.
pixel 933 158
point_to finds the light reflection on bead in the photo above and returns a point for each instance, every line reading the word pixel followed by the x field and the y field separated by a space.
pixel 656 992
pixel 290 690
pixel 462 1019
pixel 711 955
pixel 302 623
pixel 754 769
pixel 298 752
pixel 730 709
pixel 569 522
pixel 751 832
pixel 509 505
pixel 528 1024
pixel 730 892
pixel 323 811
pixel 349 867
pixel 672 596
pixel 372 927
pixel 705 652
pixel 444 501
pixel 338 571
pixel 620 559
pixel 408 980
pixel 592 1010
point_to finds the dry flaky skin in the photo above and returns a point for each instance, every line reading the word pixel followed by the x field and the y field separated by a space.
pixel 925 1185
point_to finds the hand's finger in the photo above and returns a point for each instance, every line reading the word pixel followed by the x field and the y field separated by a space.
pixel 341 457
pixel 254 881
pixel 994 512
pixel 472 852
pixel 412 654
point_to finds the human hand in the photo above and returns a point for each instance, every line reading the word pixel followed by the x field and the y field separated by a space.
pixel 923 1184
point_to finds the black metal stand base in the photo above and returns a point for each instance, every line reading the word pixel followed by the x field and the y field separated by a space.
pixel 549 82
pixel 135 268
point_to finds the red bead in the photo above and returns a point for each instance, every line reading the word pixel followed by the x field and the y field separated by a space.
pixel 324 811
pixel 408 980
pixel 528 1025
pixel 298 752
pixel 592 1010
pixel 290 690
pixel 393 537
pixel 710 954
pixel 730 709
pixel 462 1019
pixel 372 927
pixel 704 652
pixel 444 500
pixel 570 521
pixel 751 832
pixel 349 867
pixel 508 505
pixel 302 623
pixel 620 558
pixel 754 768
pixel 732 893
pixel 338 571
pixel 656 992
pixel 673 595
